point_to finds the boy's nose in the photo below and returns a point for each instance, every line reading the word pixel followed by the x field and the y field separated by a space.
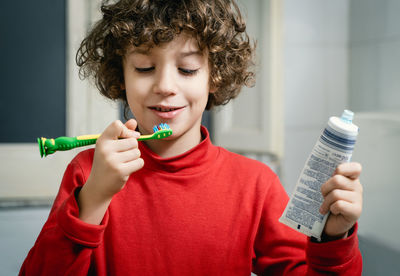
pixel 165 82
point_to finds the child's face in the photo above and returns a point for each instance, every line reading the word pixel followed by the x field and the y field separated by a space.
pixel 168 84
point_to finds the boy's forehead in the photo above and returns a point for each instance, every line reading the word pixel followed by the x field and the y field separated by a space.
pixel 180 44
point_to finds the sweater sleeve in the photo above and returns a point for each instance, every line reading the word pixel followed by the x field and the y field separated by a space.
pixel 280 250
pixel 65 243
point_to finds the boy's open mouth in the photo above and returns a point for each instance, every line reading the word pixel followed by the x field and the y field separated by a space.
pixel 164 109
pixel 166 112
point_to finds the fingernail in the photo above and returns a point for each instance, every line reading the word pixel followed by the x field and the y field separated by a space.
pixel 321 210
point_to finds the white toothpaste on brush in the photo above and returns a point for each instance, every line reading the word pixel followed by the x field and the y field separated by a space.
pixel 335 146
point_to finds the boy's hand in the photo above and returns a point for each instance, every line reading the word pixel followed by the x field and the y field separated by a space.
pixel 114 160
pixel 343 198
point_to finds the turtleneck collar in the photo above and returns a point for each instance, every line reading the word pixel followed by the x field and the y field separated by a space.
pixel 192 161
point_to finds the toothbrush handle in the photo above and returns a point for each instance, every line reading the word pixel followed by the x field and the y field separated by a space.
pixel 63 143
pixel 49 146
pixel 66 143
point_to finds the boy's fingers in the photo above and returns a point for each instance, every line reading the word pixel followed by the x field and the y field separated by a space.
pixel 129 155
pixel 347 209
pixel 131 124
pixel 351 170
pixel 335 196
pixel 114 130
pixel 118 130
pixel 337 182
pixel 126 144
pixel 132 166
pixel 127 133
pixel 345 178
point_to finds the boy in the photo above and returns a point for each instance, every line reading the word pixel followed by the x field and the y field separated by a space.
pixel 181 206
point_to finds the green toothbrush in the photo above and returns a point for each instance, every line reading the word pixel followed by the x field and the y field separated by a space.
pixel 49 146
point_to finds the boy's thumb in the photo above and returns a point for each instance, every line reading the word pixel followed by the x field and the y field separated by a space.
pixel 118 130
pixel 131 124
pixel 127 133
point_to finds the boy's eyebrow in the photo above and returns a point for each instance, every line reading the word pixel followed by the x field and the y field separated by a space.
pixel 190 53
pixel 147 52
pixel 139 51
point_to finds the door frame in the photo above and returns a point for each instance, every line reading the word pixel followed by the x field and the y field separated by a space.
pixel 28 179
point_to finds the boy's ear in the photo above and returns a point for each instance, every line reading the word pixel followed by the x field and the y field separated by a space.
pixel 213 89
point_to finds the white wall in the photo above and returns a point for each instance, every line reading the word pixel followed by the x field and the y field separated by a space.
pixel 374 55
pixel 315 75
pixel 346 54
pixel 374 92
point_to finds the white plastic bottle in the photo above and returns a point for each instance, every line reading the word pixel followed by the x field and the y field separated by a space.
pixel 334 146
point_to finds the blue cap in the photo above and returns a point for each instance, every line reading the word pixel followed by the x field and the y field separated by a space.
pixel 347 116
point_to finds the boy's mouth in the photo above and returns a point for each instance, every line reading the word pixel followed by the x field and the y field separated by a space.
pixel 166 112
pixel 164 109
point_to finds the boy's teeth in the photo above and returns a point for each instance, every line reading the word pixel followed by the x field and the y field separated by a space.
pixel 164 109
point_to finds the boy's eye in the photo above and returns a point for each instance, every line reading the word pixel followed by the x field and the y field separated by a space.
pixel 188 71
pixel 144 69
pixel 182 70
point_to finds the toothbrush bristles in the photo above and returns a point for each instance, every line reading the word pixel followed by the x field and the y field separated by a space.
pixel 161 126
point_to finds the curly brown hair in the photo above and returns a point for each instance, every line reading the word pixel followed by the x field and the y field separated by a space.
pixel 217 25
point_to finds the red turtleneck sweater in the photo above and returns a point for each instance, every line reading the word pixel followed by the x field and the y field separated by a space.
pixel 205 212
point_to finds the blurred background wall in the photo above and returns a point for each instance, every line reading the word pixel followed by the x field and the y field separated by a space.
pixel 346 54
pixel 335 55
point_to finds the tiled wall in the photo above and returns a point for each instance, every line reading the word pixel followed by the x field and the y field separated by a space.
pixel 337 54
pixel 374 67
pixel 315 75
pixel 346 54
pixel 374 88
